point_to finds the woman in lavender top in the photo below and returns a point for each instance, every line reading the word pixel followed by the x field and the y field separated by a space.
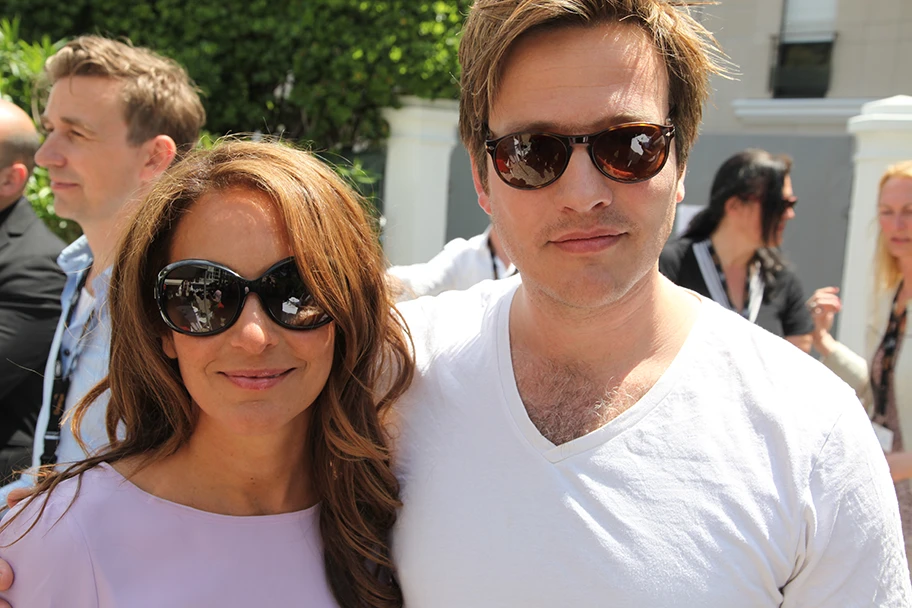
pixel 247 466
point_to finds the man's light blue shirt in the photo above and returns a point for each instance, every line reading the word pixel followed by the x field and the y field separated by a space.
pixel 92 365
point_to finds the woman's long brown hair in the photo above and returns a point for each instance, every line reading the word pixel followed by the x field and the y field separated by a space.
pixel 340 260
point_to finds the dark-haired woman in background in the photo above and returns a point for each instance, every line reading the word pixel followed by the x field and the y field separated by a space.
pixel 730 250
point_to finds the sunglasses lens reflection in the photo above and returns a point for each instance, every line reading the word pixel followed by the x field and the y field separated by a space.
pixel 288 300
pixel 631 154
pixel 199 298
pixel 530 160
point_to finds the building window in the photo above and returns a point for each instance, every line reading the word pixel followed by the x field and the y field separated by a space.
pixel 802 69
pixel 802 54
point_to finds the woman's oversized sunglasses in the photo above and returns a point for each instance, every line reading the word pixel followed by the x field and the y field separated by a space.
pixel 202 298
pixel 626 153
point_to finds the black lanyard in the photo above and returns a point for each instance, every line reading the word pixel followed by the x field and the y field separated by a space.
pixel 494 262
pixel 744 312
pixel 889 345
pixel 62 381
pixel 713 276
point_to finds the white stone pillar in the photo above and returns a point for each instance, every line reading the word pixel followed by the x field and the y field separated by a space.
pixel 416 180
pixel 883 136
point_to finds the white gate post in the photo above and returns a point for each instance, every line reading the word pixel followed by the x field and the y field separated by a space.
pixel 416 180
pixel 883 136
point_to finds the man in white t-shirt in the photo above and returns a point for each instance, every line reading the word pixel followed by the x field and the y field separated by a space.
pixel 461 264
pixel 594 435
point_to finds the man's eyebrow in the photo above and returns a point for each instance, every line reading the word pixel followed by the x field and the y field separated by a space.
pixel 73 122
pixel 569 129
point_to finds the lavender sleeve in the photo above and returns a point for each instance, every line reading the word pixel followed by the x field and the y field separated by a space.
pixel 52 563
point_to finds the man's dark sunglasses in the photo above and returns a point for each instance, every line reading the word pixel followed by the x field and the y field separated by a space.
pixel 627 153
pixel 202 298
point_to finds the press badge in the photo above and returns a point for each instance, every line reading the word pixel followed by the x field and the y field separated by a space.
pixel 884 436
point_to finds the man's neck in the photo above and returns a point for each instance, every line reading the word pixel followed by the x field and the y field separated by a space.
pixel 497 248
pixel 576 371
pixel 103 238
pixel 6 204
pixel 733 249
pixel 653 318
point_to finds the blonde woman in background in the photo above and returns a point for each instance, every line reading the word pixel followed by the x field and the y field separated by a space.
pixel 883 377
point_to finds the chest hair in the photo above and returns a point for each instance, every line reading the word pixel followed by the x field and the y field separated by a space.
pixel 564 401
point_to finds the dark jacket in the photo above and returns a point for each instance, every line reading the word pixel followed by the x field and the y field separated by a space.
pixel 30 287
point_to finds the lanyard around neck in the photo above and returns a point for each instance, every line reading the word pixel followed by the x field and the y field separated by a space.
pixel 61 386
pixel 713 278
pixel 494 263
pixel 889 345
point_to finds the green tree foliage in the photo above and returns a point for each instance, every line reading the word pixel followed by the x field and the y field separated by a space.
pixel 20 65
pixel 319 70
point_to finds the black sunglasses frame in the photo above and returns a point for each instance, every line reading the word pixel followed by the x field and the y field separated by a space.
pixel 667 131
pixel 248 287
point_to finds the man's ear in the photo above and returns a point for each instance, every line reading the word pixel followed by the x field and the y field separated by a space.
pixel 160 153
pixel 168 345
pixel 484 200
pixel 12 180
pixel 679 188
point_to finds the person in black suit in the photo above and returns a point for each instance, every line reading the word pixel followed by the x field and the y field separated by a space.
pixel 30 287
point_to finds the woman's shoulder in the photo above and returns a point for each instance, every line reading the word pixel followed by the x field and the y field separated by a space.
pixel 671 260
pixel 880 303
pixel 786 275
pixel 72 499
pixel 677 247
pixel 43 541
pixel 674 251
pixel 46 507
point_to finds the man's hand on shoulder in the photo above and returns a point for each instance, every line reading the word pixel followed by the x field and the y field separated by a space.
pixel 6 580
pixel 6 571
pixel 13 498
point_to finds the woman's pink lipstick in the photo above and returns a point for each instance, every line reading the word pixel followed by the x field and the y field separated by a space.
pixel 256 379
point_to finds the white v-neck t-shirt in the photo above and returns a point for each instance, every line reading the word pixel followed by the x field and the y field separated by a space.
pixel 747 476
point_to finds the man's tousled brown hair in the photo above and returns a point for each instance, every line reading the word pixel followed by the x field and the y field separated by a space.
pixel 158 96
pixel 689 52
pixel 338 256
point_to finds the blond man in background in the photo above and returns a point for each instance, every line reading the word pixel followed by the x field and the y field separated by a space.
pixel 116 117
